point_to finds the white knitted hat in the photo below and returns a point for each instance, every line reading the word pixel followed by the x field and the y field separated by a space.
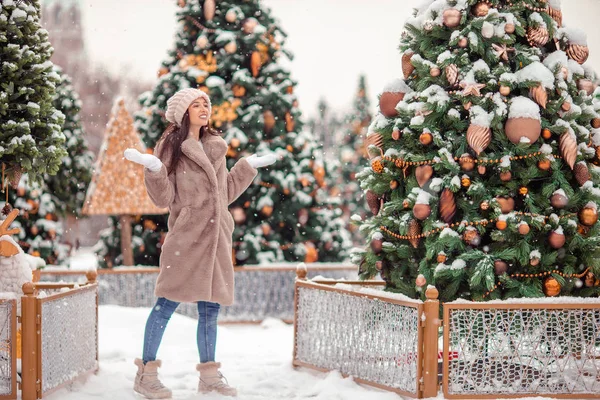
pixel 178 104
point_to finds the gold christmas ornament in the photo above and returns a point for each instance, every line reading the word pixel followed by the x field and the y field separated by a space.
pixel 463 42
pixel 435 72
pixel 582 173
pixel 249 25
pixel 423 173
pixel 376 245
pixel 516 128
pixel 266 229
pixel 426 138
pixel 509 28
pixel 162 71
pixel 406 204
pixel 537 36
pixel 481 169
pixel 551 287
pixel 238 90
pixel 451 17
pixel 546 134
pixel 467 163
pixel 441 258
pixel 588 216
pixel 566 106
pixel 479 137
pixel 407 67
pixel 578 53
pixel 238 214
pixel 231 16
pixel 484 205
pixel 471 236
pixel 420 281
pixel 396 134
pixel 556 15
pixel 501 224
pixel 209 9
pixel 465 182
pixel 388 102
pixel 556 240
pixel 568 148
pixel 414 230
pixel 523 191
pixel 312 255
pixel 421 211
pixel 379 265
pixel 452 74
pixel 447 206
pixel 266 211
pixel 539 95
pixel 480 9
pixel 544 164
pixel 534 261
pixel 596 123
pixel 235 143
pixel 393 184
pixel 504 90
pixel 524 228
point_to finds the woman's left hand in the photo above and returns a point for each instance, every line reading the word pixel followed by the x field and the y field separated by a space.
pixel 262 161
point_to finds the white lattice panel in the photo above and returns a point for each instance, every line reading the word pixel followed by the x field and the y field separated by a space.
pixel 524 351
pixel 366 338
pixel 69 337
pixel 7 310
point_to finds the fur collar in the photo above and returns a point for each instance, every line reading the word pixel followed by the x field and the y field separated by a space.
pixel 210 156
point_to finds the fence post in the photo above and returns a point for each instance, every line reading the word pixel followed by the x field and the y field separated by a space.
pixel 91 276
pixel 431 309
pixel 29 342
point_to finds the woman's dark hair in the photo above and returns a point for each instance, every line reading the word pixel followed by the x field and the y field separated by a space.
pixel 173 138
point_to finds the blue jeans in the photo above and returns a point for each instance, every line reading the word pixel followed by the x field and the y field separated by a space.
pixel 161 314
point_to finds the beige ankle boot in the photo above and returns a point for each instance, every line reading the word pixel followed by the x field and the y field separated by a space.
pixel 211 379
pixel 147 383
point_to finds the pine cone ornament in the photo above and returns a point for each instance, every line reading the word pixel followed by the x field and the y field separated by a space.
pixel 479 137
pixel 373 201
pixel 414 229
pixel 447 206
pixel 540 95
pixel 582 174
pixel 537 36
pixel 568 148
pixel 452 74
pixel 407 67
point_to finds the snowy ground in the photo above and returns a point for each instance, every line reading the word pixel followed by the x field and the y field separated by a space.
pixel 257 359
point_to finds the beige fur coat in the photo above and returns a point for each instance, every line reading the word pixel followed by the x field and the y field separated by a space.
pixel 195 262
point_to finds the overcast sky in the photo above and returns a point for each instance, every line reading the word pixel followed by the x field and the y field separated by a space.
pixel 333 41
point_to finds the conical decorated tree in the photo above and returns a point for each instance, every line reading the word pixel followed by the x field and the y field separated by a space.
pixel 44 205
pixel 352 159
pixel 231 50
pixel 492 138
pixel 31 141
pixel 69 184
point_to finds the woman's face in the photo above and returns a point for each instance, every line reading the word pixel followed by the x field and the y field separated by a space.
pixel 198 112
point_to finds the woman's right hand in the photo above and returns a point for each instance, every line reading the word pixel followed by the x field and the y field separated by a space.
pixel 147 160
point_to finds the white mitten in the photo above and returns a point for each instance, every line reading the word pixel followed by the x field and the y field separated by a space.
pixel 147 160
pixel 262 161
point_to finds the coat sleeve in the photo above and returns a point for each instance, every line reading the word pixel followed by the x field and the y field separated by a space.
pixel 239 178
pixel 160 188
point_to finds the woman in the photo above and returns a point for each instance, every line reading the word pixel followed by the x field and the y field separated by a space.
pixel 189 176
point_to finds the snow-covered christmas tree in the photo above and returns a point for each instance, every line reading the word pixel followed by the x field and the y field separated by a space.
pixel 493 139
pixel 231 50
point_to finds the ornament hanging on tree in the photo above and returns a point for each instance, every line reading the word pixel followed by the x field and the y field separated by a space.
pixel 414 230
pixel 407 67
pixel 463 42
pixel 557 238
pixel 255 63
pixel 420 281
pixel 500 267
pixel 209 9
pixel 423 173
pixel 231 47
pixel 452 17
pixel 523 124
pixel 577 48
pixel 373 201
pixel 586 85
pixel 231 16
pixel 447 206
pixel 312 255
pixel 471 236
pixel 375 139
pixel 555 12
pixel 537 36
pixel 509 28
pixel 377 245
pixel 479 137
pixel 507 204
pixel 452 74
pixel 269 121
pixel 568 148
pixel 289 122
pixel 202 41
pixel 551 287
pixel 559 199
pixel 392 94
pixel 481 9
pixel 581 172
pixel 539 94
pixel 588 215
pixel 421 211
pixel 249 25
pixel 524 228
pixel 467 163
